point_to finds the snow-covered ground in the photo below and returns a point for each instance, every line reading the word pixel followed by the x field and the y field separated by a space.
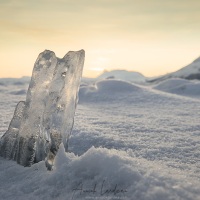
pixel 128 142
pixel 190 88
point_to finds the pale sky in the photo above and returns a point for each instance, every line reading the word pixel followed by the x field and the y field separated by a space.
pixel 153 37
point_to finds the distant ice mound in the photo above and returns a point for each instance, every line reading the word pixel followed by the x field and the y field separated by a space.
pixel 106 90
pixel 124 75
pixel 46 117
pixel 180 87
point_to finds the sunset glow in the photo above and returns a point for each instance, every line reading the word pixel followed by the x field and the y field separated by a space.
pixel 152 37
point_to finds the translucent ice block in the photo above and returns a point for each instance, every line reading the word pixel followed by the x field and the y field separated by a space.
pixel 46 118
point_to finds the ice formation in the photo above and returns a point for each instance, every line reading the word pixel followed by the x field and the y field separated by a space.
pixel 46 118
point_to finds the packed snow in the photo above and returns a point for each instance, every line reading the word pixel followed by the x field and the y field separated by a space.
pixel 128 142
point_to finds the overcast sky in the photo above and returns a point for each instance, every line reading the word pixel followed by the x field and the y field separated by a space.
pixel 153 37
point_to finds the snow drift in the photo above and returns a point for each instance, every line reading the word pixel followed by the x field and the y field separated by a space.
pixel 98 174
pixel 180 87
pixel 107 90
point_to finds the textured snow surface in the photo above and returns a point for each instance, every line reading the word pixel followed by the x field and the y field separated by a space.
pixel 132 142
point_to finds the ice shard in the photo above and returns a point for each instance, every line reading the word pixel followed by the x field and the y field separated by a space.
pixel 46 118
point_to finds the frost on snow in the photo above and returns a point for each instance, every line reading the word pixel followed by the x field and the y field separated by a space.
pixel 46 118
